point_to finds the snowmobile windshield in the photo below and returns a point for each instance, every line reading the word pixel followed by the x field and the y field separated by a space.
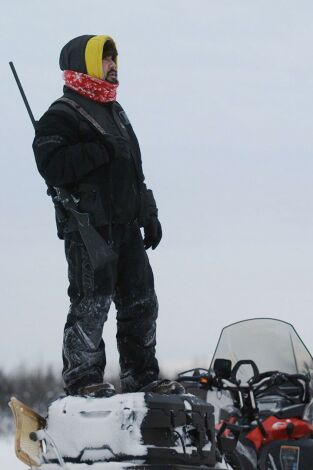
pixel 273 345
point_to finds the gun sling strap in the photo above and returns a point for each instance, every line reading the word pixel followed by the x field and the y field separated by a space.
pixel 83 112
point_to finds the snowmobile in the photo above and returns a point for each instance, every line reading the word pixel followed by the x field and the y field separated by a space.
pixel 264 401
pixel 142 431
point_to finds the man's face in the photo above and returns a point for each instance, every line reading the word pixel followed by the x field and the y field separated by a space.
pixel 109 69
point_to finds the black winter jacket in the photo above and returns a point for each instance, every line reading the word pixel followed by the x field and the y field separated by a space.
pixel 103 172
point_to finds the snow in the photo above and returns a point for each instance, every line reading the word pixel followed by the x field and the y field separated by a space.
pixel 8 459
pixel 84 466
pixel 100 427
pixel 104 466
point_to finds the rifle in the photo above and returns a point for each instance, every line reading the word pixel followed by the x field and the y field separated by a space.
pixel 99 251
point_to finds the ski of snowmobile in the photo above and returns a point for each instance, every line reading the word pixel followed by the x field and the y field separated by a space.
pixel 27 421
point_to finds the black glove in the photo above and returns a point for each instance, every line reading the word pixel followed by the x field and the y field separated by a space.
pixel 153 233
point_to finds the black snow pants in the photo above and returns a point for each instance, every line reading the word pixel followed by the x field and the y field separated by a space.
pixel 129 283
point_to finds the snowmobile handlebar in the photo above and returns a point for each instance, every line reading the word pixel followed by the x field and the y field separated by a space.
pixel 208 380
pixel 204 380
pixel 277 376
pixel 234 428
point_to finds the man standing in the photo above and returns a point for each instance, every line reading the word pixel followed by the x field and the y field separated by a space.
pixel 104 175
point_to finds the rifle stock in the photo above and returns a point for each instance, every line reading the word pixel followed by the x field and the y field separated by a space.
pixel 99 251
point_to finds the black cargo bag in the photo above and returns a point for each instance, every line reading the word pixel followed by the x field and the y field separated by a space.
pixel 179 429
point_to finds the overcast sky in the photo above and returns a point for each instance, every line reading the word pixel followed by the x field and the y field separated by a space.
pixel 219 93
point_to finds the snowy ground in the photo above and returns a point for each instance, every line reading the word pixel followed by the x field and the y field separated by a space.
pixel 8 460
pixel 95 466
pixel 102 466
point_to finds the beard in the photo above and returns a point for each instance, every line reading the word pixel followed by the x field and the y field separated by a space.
pixel 112 77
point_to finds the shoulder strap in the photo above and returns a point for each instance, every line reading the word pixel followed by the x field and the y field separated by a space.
pixel 83 113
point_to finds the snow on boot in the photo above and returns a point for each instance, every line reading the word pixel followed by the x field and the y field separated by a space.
pixel 164 387
pixel 102 390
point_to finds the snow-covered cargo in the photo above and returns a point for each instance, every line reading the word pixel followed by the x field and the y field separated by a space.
pixel 131 430
pixel 96 429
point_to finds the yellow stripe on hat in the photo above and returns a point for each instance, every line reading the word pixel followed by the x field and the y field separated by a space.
pixel 93 55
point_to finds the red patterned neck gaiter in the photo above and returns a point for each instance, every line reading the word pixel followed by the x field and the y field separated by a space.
pixel 90 87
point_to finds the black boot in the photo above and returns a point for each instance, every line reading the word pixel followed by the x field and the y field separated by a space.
pixel 164 387
pixel 100 390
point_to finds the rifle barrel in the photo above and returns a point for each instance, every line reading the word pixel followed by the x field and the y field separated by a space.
pixel 23 94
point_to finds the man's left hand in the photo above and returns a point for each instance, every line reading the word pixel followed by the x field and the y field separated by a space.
pixel 153 233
